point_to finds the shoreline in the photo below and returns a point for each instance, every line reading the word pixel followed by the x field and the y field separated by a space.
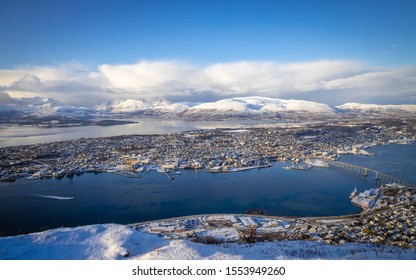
pixel 380 224
pixel 251 147
pixel 368 226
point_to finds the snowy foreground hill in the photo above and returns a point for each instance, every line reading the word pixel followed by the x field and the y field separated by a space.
pixel 112 241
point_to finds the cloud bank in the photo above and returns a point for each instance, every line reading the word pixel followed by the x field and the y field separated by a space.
pixel 332 81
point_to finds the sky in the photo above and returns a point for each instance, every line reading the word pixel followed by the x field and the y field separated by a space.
pixel 89 52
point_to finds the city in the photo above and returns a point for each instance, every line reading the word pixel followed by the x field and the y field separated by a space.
pixel 391 222
pixel 388 212
pixel 217 150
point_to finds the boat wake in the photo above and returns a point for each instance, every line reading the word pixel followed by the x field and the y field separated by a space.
pixel 55 197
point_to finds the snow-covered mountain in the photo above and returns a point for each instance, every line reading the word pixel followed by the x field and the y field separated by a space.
pixel 254 107
pixel 39 107
pixel 239 107
pixel 125 106
pixel 258 107
pixel 378 110
pixel 143 107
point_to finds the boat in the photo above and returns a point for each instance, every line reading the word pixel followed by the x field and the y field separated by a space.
pixel 161 170
pixel 302 167
pixel 178 173
pixel 127 174
pixel 35 176
pixel 70 173
pixel 78 171
pixel 59 174
pixel 298 167
pixel 365 153
pixel 317 163
pixel 354 193
pixel 215 169
pixel 140 169
pixel 9 178
pixel 243 168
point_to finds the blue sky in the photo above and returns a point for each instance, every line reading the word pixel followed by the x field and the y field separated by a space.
pixel 203 33
pixel 42 32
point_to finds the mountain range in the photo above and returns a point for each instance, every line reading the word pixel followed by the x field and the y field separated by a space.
pixel 254 107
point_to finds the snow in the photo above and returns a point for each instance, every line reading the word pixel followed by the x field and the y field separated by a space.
pixel 221 234
pixel 112 241
pixel 108 241
pixel 238 106
pixel 175 108
pixel 43 107
pixel 221 217
pixel 125 106
pixel 150 106
pixel 376 107
pixel 261 105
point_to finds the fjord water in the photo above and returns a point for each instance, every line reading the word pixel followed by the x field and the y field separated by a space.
pixel 395 160
pixel 11 135
pixel 27 206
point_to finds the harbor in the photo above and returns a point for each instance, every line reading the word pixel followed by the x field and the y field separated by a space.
pixel 116 179
pixel 388 218
pixel 216 151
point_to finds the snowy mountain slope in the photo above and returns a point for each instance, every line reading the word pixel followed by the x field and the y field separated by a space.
pixel 243 106
pixel 111 241
pixel 255 107
pixel 44 107
pixel 150 107
pixel 259 106
pixel 257 103
pixel 124 106
pixel 360 108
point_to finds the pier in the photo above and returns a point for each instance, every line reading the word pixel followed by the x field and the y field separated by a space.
pixel 367 172
pixel 166 173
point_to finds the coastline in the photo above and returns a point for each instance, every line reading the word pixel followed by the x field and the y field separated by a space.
pixel 331 230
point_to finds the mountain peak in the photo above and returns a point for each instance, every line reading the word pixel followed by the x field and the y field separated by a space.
pixel 375 108
pixel 257 106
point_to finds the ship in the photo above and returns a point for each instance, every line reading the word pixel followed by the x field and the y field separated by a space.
pixel 215 169
pixel 317 163
pixel 162 170
pixel 35 176
pixel 365 153
pixel 59 174
pixel 141 169
pixel 354 193
pixel 70 173
pixel 298 167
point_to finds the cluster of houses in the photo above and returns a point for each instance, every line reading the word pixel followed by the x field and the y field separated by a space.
pixel 222 227
pixel 392 222
pixel 216 150
pixel 385 196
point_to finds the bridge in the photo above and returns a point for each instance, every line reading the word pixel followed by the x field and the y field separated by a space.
pixel 364 171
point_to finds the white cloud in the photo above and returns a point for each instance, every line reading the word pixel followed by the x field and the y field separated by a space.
pixel 326 79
